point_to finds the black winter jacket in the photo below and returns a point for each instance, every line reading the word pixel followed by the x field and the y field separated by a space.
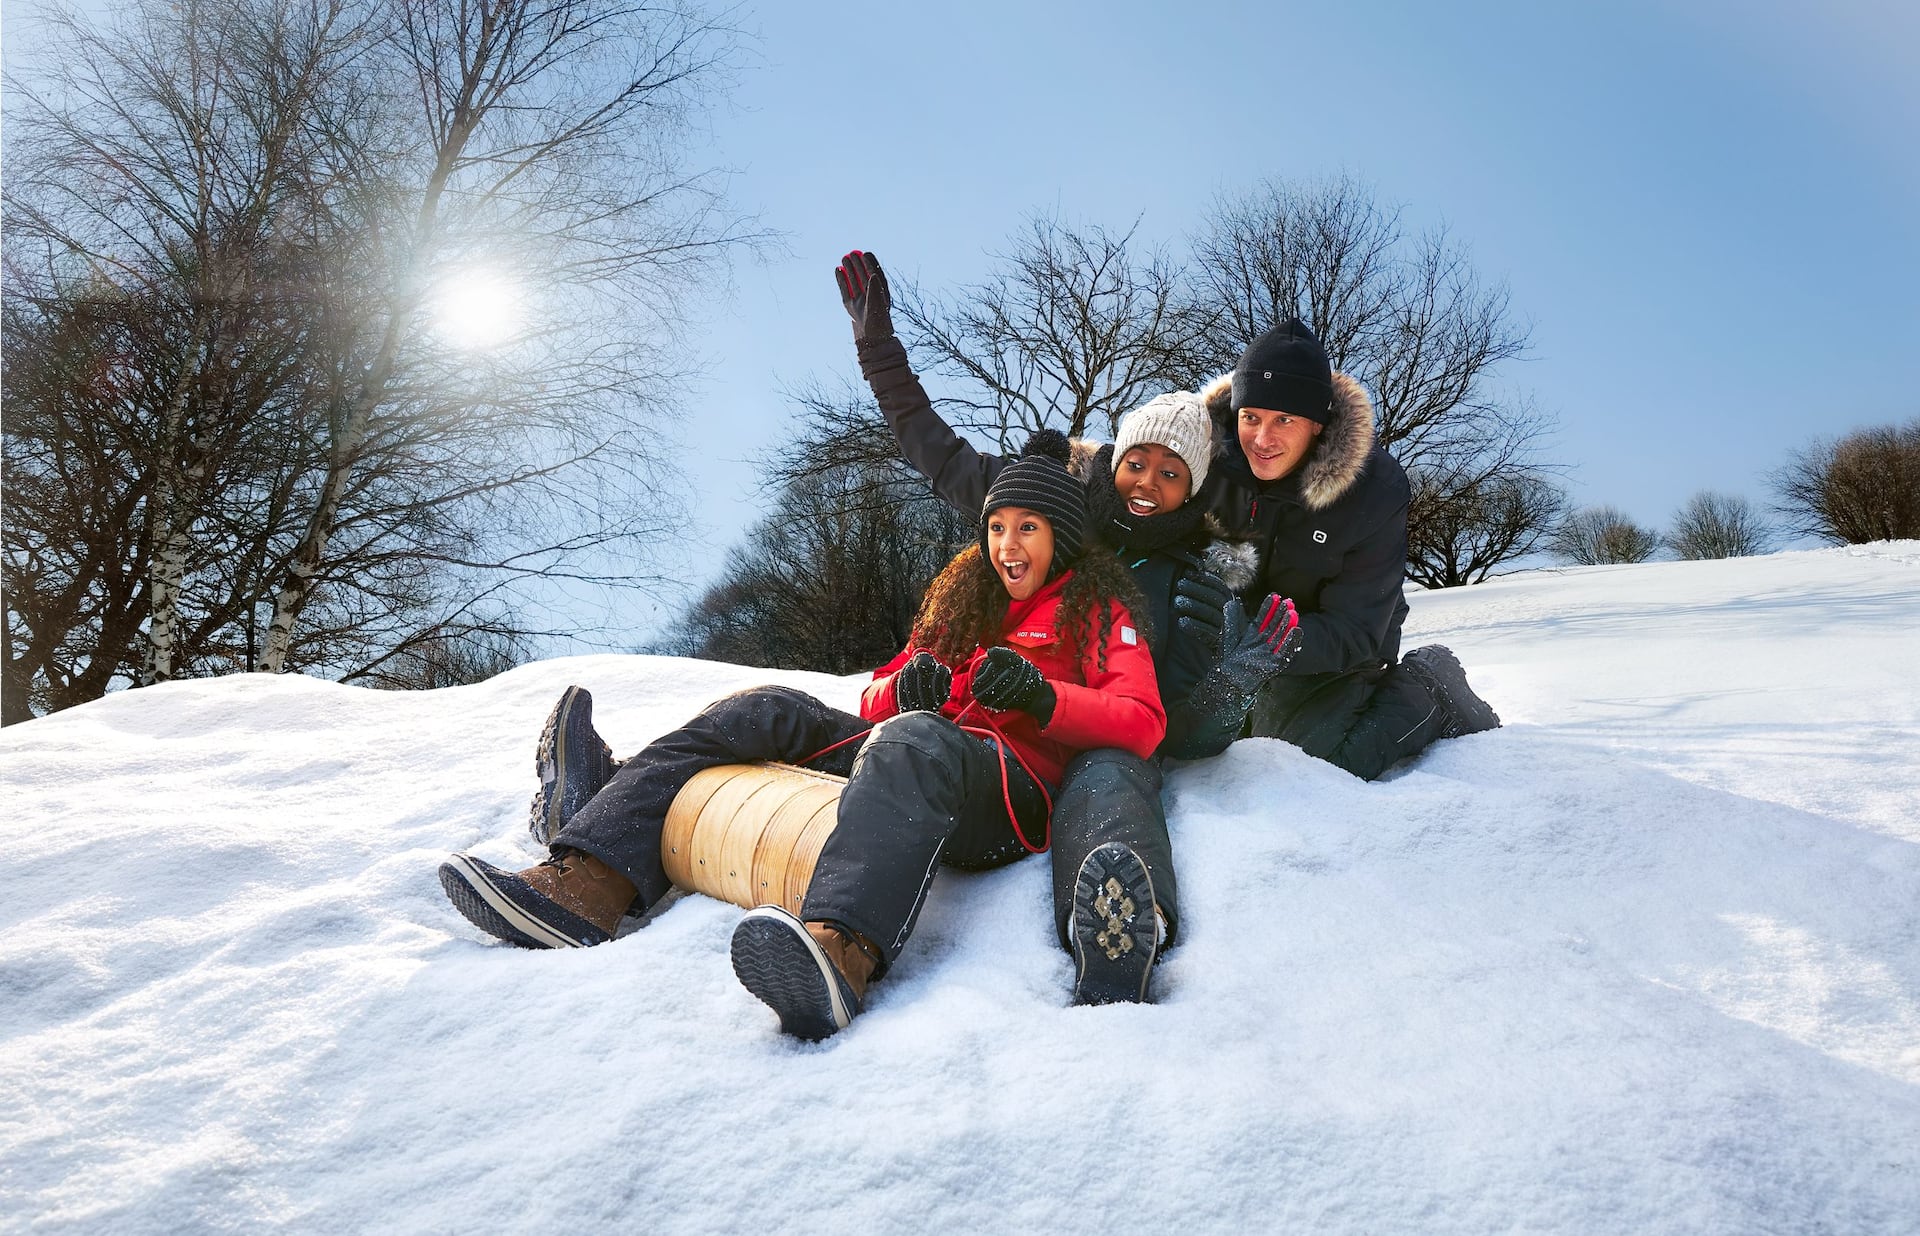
pixel 961 475
pixel 1332 535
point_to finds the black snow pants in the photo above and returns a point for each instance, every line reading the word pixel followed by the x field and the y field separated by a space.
pixel 1364 721
pixel 1111 795
pixel 920 792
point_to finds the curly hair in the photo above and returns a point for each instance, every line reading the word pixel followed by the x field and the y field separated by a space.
pixel 966 606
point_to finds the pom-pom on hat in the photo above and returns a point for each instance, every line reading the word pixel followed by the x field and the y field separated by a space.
pixel 1178 421
pixel 1285 370
pixel 1039 481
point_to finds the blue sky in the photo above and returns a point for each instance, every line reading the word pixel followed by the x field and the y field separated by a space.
pixel 1706 210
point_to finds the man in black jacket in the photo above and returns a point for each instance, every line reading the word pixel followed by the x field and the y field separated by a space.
pixel 1314 514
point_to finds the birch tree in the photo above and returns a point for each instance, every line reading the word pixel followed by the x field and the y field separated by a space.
pixel 155 167
pixel 260 212
pixel 539 123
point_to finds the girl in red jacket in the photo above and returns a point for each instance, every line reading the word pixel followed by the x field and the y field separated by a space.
pixel 1024 653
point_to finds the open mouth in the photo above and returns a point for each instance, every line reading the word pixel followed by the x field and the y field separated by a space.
pixel 1142 506
pixel 1014 571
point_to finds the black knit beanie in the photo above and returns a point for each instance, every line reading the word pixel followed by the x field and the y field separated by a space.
pixel 1285 370
pixel 1039 481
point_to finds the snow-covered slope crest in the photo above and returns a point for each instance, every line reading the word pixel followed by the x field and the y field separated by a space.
pixel 1647 959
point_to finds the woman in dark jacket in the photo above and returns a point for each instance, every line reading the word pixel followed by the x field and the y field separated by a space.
pixel 1314 514
pixel 1137 499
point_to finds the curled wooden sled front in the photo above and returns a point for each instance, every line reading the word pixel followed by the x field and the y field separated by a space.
pixel 750 834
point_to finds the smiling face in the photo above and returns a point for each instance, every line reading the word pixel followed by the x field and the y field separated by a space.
pixel 1152 480
pixel 1020 549
pixel 1275 443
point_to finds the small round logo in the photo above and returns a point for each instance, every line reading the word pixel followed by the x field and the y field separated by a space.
pixel 1268 375
pixel 1319 537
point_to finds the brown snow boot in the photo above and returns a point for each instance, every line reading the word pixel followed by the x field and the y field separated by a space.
pixel 852 956
pixel 570 901
pixel 578 882
pixel 812 974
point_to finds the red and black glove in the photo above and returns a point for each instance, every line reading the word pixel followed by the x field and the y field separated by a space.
pixel 923 684
pixel 1275 636
pixel 1004 681
pixel 865 296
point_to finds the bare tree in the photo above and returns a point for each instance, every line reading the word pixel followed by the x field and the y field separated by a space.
pixel 539 127
pixel 1714 525
pixel 1865 487
pixel 1470 530
pixel 1074 329
pixel 75 564
pixel 1408 316
pixel 832 578
pixel 1598 535
pixel 227 223
pixel 156 156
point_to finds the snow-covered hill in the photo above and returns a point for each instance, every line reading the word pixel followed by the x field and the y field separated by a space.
pixel 1645 960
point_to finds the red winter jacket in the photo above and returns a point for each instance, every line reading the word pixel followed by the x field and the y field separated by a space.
pixel 1118 706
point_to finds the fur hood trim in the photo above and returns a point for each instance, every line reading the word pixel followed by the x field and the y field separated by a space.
pixel 1080 457
pixel 1235 562
pixel 1339 454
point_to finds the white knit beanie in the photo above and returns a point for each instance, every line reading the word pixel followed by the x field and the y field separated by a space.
pixel 1178 421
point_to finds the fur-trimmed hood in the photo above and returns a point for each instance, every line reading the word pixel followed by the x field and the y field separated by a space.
pixel 1338 455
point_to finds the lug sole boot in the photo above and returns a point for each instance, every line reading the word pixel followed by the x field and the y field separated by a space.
pixel 573 762
pixel 811 974
pixel 572 900
pixel 1116 929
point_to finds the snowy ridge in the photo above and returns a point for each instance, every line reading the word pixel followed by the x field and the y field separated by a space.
pixel 1647 959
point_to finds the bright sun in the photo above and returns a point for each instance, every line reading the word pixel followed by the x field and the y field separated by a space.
pixel 478 309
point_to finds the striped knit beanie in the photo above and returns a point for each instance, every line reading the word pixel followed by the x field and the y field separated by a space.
pixel 1040 482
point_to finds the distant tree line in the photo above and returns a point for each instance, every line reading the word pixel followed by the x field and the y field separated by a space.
pixel 235 437
pixel 1862 487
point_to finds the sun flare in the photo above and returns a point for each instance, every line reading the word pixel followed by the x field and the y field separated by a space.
pixel 478 309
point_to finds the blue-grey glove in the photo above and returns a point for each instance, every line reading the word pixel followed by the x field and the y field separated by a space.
pixel 1200 611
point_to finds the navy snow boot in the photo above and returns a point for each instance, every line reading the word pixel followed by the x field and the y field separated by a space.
pixel 1438 670
pixel 1116 928
pixel 573 762
pixel 572 900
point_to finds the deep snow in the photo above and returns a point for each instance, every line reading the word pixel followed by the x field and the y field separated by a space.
pixel 1647 959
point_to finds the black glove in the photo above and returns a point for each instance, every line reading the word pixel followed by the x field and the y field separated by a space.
pixel 1005 680
pixel 864 295
pixel 1200 611
pixel 923 684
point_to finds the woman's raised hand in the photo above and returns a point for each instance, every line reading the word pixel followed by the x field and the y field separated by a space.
pixel 864 294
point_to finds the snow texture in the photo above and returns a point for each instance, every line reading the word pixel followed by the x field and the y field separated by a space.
pixel 1645 960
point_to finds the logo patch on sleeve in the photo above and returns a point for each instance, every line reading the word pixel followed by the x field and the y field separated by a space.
pixel 1128 635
